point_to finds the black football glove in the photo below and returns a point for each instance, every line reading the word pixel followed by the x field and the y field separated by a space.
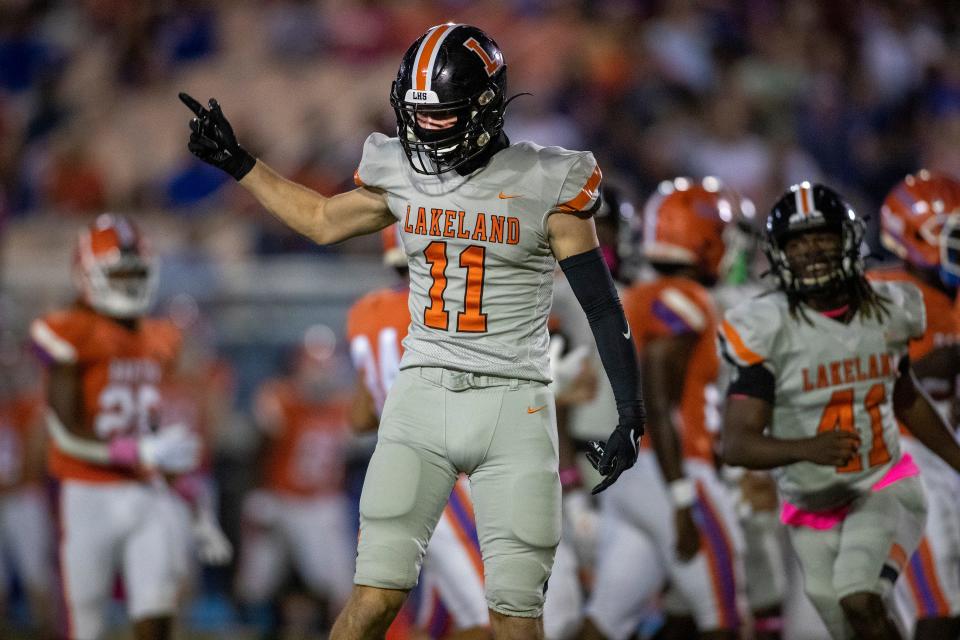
pixel 618 453
pixel 213 141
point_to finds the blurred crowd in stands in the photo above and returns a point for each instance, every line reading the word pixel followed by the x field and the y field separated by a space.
pixel 759 92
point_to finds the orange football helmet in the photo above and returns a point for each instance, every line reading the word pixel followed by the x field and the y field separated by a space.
pixel 113 268
pixel 913 218
pixel 393 253
pixel 687 222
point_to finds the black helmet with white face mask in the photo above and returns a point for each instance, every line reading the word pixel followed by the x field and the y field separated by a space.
pixel 806 208
pixel 449 97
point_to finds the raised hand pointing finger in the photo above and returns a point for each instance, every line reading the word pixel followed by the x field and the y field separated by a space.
pixel 193 105
pixel 213 141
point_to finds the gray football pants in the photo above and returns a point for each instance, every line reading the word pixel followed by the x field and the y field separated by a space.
pixel 502 433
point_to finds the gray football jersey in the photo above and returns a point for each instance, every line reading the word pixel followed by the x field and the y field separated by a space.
pixel 481 268
pixel 829 375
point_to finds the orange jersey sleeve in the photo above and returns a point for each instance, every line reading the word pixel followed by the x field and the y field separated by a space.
pixel 673 307
pixel 667 307
pixel 64 337
pixel 376 327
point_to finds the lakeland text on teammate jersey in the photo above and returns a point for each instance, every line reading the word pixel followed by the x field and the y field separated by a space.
pixel 879 365
pixel 450 223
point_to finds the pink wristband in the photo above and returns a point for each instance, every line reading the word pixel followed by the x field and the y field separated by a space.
pixel 189 487
pixel 123 451
pixel 570 478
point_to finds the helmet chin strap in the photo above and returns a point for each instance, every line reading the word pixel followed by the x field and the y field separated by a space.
pixel 482 158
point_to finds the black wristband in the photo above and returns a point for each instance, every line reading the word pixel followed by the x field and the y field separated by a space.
pixel 239 164
pixel 592 284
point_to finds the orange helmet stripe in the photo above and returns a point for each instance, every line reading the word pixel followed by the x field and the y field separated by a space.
pixel 804 199
pixel 423 63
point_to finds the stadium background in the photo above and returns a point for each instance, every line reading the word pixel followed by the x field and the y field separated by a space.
pixel 760 93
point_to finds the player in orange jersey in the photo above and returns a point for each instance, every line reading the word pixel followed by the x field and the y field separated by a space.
pixel 299 515
pixel 452 581
pixel 106 363
pixel 673 497
pixel 913 218
pixel 25 528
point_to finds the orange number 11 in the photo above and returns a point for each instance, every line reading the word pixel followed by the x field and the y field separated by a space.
pixel 471 319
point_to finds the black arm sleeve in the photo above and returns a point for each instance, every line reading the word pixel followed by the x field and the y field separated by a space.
pixel 591 283
pixel 755 381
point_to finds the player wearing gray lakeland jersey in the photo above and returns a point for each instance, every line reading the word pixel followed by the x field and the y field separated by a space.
pixel 822 369
pixel 481 268
pixel 480 219
pixel 829 375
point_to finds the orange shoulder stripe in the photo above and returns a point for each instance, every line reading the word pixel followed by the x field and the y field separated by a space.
pixel 741 350
pixel 587 193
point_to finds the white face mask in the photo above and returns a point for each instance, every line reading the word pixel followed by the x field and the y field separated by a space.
pixel 816 259
pixel 121 290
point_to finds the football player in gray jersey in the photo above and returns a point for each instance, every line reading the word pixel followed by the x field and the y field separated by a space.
pixel 483 222
pixel 823 374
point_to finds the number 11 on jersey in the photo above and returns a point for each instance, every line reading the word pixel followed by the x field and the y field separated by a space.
pixel 472 259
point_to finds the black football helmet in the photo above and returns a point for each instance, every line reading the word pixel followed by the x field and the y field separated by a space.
pixel 449 97
pixel 813 207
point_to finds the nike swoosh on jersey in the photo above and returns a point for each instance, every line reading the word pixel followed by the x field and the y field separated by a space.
pixel 626 334
pixel 504 196
pixel 532 410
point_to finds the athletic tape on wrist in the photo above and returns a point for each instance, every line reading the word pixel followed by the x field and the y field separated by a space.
pixel 124 451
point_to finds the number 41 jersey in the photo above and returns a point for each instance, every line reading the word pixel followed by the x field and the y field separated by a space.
pixel 481 269
pixel 829 376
